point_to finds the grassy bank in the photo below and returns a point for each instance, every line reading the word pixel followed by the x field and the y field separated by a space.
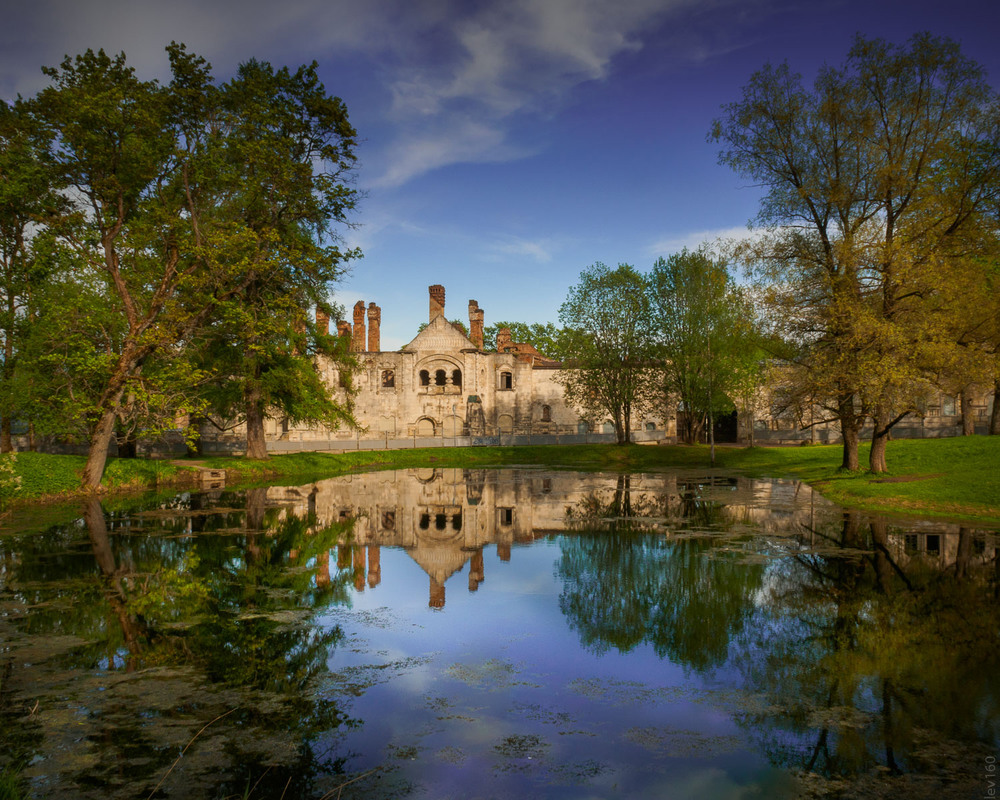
pixel 958 478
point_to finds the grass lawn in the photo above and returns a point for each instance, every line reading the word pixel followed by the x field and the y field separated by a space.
pixel 957 478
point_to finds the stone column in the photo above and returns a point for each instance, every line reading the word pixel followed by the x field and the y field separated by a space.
pixel 374 323
pixel 436 301
pixel 358 339
pixel 476 317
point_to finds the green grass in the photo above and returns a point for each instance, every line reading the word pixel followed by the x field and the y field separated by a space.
pixel 957 478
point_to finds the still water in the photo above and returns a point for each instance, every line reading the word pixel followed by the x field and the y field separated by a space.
pixel 500 633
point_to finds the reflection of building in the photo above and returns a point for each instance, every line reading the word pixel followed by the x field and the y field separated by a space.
pixel 444 518
pixel 444 385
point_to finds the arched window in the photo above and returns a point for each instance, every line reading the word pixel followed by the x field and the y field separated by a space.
pixel 440 521
pixel 456 522
pixel 425 378
pixel 439 377
pixel 506 380
pixel 456 378
pixel 425 521
pixel 650 426
pixel 546 414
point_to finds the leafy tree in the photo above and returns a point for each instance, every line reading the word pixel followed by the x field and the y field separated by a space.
pixel 608 346
pixel 875 179
pixel 286 150
pixel 26 199
pixel 704 326
pixel 187 200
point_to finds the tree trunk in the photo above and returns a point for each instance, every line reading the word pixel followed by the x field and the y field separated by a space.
pixel 256 445
pixel 995 416
pixel 97 455
pixel 6 443
pixel 968 419
pixel 880 436
pixel 849 431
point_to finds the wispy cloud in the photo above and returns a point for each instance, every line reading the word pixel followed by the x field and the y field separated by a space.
pixel 499 62
pixel 539 250
pixel 692 240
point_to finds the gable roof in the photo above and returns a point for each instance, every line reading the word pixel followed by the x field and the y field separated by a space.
pixel 440 336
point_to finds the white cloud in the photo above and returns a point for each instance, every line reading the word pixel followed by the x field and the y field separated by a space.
pixel 460 141
pixel 504 60
pixel 540 249
pixel 693 239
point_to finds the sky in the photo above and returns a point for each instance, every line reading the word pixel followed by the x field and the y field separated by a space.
pixel 507 146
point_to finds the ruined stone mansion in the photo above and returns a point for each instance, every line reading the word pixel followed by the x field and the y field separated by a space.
pixel 447 388
pixel 442 388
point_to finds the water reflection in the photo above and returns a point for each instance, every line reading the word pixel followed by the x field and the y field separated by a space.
pixel 649 633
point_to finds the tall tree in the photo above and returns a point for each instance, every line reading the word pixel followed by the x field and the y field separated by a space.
pixel 287 150
pixel 874 178
pixel 704 326
pixel 26 200
pixel 609 348
pixel 176 209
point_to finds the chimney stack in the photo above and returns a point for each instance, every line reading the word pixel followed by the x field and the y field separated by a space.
pixel 344 329
pixel 503 340
pixel 322 321
pixel 476 317
pixel 374 322
pixel 437 301
pixel 358 338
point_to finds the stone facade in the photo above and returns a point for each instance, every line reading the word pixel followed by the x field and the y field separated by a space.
pixel 443 385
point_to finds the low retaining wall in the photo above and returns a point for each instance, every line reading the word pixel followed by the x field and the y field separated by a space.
pixel 413 442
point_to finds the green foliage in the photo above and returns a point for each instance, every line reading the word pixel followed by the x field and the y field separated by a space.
pixel 877 178
pixel 704 325
pixel 609 347
pixel 185 213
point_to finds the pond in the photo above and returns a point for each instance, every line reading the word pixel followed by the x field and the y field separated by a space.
pixel 500 633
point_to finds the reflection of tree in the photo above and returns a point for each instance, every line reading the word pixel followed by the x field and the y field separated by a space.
pixel 865 663
pixel 686 598
pixel 226 618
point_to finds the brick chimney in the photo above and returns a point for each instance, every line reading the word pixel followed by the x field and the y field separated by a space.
pixel 344 329
pixel 322 321
pixel 476 317
pixel 437 301
pixel 358 339
pixel 374 321
pixel 503 340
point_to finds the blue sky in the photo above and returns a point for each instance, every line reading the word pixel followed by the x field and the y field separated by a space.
pixel 506 146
